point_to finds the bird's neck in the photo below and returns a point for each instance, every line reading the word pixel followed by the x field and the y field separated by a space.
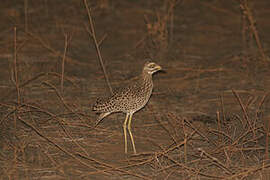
pixel 146 76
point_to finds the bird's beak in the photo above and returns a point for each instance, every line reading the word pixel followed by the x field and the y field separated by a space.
pixel 158 68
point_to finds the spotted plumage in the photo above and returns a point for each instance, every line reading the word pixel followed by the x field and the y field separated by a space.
pixel 130 99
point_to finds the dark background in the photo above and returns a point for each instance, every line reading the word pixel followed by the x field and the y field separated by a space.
pixel 207 48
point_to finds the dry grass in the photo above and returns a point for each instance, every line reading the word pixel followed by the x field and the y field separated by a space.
pixel 207 119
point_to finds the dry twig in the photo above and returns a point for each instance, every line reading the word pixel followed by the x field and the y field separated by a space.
pixel 93 35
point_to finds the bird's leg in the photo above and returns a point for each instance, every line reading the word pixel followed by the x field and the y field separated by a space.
pixel 125 131
pixel 129 130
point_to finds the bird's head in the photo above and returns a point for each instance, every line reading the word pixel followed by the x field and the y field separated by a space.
pixel 151 67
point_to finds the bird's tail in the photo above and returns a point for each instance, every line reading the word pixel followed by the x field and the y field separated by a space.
pixel 101 116
pixel 100 107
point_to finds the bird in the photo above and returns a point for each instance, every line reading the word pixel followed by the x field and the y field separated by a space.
pixel 130 99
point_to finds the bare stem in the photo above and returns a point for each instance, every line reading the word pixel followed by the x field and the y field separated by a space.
pixel 93 35
pixel 247 12
pixel 15 66
pixel 63 63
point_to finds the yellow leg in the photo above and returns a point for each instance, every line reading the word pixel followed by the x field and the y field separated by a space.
pixel 125 131
pixel 129 130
